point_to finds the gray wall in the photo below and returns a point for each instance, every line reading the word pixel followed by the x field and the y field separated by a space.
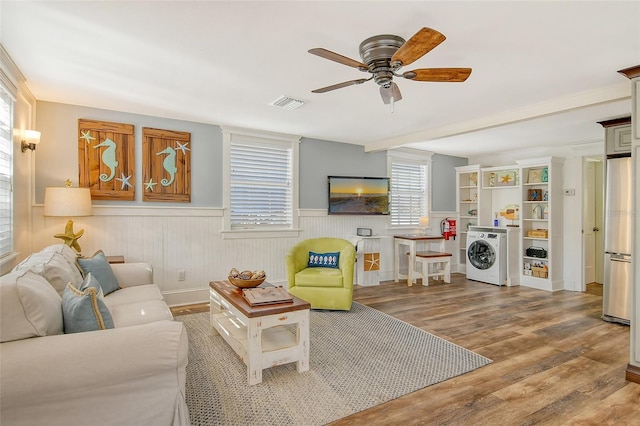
pixel 57 153
pixel 319 159
pixel 443 188
pixel 57 159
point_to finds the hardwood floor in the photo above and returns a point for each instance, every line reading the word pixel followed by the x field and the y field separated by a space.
pixel 555 362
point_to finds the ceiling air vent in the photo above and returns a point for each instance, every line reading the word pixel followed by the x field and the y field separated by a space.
pixel 285 102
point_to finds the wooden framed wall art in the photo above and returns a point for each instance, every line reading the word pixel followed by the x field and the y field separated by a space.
pixel 106 159
pixel 166 165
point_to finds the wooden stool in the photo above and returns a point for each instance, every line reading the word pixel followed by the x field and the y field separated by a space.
pixel 441 262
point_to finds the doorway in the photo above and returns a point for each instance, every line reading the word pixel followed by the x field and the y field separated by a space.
pixel 593 220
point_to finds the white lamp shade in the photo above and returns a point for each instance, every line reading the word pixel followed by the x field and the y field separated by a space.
pixel 67 201
pixel 32 137
pixel 424 221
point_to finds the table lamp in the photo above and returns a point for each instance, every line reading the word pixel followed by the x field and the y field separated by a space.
pixel 424 223
pixel 68 201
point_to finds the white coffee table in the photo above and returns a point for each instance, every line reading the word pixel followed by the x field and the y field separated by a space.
pixel 256 333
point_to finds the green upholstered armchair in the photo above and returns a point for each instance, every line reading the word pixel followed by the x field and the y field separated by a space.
pixel 322 287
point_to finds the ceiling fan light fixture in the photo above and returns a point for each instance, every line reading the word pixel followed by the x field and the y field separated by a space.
pixel 384 55
pixel 287 102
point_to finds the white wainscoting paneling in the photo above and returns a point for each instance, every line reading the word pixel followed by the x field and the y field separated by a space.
pixel 178 238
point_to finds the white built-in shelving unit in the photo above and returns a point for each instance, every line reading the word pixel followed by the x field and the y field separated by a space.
pixel 534 188
pixel 473 206
pixel 541 222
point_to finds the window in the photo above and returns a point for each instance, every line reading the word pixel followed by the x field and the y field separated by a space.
pixel 409 172
pixel 261 188
pixel 6 173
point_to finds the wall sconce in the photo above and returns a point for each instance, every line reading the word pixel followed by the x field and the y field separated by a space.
pixel 30 138
pixel 68 202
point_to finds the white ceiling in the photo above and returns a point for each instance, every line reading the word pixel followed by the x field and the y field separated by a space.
pixel 543 72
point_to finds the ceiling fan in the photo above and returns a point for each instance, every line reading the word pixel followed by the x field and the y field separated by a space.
pixel 384 55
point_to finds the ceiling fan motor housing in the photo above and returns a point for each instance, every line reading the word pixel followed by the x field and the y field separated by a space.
pixel 376 53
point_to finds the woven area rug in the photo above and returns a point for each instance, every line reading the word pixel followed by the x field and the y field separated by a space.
pixel 358 359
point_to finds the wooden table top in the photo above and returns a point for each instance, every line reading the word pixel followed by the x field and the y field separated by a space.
pixel 417 237
pixel 233 295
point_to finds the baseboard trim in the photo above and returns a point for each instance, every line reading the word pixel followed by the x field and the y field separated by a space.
pixel 633 373
pixel 186 297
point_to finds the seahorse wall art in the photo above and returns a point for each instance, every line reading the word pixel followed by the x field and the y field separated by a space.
pixel 169 164
pixel 108 158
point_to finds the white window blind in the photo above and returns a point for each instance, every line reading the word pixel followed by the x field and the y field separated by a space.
pixel 261 185
pixel 6 173
pixel 408 193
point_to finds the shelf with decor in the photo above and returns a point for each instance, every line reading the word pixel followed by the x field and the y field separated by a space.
pixel 541 223
pixel 473 207
pixel 500 177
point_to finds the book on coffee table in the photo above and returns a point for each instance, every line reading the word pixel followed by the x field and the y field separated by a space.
pixel 266 295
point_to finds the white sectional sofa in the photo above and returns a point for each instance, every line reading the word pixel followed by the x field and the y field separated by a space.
pixel 131 374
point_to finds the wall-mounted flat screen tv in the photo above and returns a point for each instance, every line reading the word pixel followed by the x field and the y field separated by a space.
pixel 358 195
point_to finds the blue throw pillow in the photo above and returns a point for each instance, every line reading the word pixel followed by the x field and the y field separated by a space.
pixel 99 266
pixel 324 260
pixel 84 310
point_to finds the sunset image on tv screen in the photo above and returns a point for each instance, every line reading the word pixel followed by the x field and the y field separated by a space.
pixel 358 195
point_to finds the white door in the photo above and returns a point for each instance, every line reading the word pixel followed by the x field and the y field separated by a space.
pixel 592 220
pixel 588 222
pixel 599 219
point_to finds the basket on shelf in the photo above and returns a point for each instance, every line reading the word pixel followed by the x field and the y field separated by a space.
pixel 538 233
pixel 540 272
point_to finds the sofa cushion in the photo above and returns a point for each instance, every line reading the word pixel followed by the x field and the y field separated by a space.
pixel 70 254
pixel 29 307
pixel 140 313
pixel 53 267
pixel 99 266
pixel 84 310
pixel 128 295
pixel 323 260
pixel 319 277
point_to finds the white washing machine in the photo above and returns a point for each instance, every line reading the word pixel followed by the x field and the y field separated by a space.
pixel 487 255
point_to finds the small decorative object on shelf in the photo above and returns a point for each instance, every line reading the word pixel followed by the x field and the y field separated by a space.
pixel 545 174
pixel 507 178
pixel 534 194
pixel 473 179
pixel 510 212
pixel 536 212
pixel 534 176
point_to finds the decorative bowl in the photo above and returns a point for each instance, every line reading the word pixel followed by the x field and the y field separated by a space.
pixel 238 282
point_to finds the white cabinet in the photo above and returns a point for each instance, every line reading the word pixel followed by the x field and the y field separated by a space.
pixel 617 135
pixel 367 260
pixel 541 223
pixel 473 205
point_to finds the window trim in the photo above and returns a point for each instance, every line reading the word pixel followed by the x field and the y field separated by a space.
pixel 231 134
pixel 412 156
pixel 10 254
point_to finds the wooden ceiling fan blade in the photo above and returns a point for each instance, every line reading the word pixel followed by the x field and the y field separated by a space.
pixel 421 43
pixel 455 75
pixel 340 85
pixel 336 57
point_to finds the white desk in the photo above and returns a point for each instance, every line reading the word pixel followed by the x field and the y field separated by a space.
pixel 412 242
